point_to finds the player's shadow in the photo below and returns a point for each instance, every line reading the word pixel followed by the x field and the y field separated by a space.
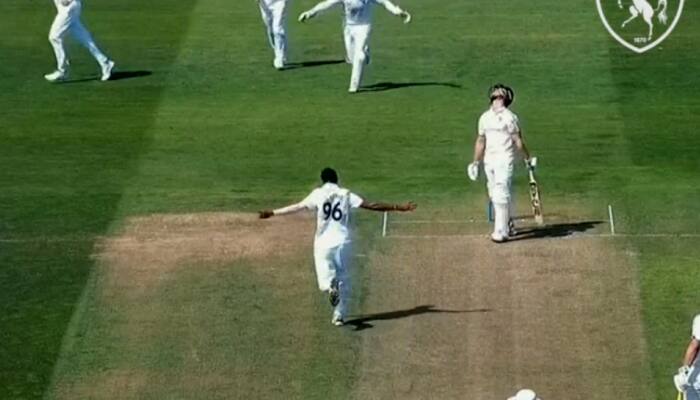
pixel 363 322
pixel 116 76
pixel 309 64
pixel 383 86
pixel 119 75
pixel 554 230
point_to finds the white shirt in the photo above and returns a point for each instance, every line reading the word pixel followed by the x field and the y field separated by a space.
pixel 357 12
pixel 696 327
pixel 332 205
pixel 498 127
pixel 271 2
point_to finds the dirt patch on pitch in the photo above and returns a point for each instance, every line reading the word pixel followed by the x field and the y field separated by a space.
pixel 149 248
pixel 178 303
pixel 118 383
pixel 460 317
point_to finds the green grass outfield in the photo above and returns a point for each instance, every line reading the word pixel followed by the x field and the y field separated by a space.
pixel 208 125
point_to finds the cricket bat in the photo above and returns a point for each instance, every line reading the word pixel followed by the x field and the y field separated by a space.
pixel 680 396
pixel 535 200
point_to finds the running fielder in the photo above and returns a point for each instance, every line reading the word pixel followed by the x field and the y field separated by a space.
pixel 356 28
pixel 274 14
pixel 333 205
pixel 687 380
pixel 498 139
pixel 68 21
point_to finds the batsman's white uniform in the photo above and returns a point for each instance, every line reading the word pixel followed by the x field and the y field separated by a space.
pixel 498 127
pixel 68 21
pixel 357 27
pixel 274 15
pixel 693 392
pixel 333 240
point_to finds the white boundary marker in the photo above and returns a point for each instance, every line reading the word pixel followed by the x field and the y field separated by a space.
pixel 612 219
pixel 385 222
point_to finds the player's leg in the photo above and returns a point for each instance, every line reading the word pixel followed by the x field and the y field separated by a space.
pixel 59 27
pixel 360 35
pixel 490 172
pixel 503 175
pixel 279 32
pixel 693 392
pixel 266 15
pixel 83 36
pixel 341 263
pixel 349 44
pixel 325 271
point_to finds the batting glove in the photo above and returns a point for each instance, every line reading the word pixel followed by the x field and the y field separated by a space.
pixel 531 162
pixel 473 171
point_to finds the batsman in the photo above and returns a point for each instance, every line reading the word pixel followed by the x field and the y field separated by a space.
pixel 498 142
pixel 687 380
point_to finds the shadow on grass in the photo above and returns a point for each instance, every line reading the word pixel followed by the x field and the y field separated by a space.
pixel 119 75
pixel 116 76
pixel 309 64
pixel 555 230
pixel 363 322
pixel 383 86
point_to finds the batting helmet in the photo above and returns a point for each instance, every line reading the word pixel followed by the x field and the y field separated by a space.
pixel 503 91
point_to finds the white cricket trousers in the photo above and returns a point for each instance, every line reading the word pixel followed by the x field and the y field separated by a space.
pixel 274 14
pixel 357 51
pixel 332 263
pixel 499 177
pixel 68 21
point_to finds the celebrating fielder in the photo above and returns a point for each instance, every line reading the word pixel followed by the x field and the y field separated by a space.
pixel 687 380
pixel 274 14
pixel 356 28
pixel 68 21
pixel 332 242
pixel 498 139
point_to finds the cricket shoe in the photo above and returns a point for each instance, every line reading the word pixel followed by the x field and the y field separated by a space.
pixel 278 64
pixel 337 320
pixel 56 76
pixel 334 293
pixel 496 238
pixel 107 70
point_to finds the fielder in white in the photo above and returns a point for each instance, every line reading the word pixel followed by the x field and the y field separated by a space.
pixel 498 140
pixel 333 205
pixel 356 28
pixel 687 380
pixel 274 15
pixel 68 21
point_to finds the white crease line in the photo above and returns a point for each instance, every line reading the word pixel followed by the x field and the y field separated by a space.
pixel 569 236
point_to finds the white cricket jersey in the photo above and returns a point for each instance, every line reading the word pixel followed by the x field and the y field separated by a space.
pixel 271 2
pixel 357 12
pixel 332 205
pixel 696 327
pixel 498 128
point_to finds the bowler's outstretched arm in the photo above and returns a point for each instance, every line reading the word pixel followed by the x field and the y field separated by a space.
pixel 394 9
pixel 294 208
pixel 320 7
pixel 376 206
